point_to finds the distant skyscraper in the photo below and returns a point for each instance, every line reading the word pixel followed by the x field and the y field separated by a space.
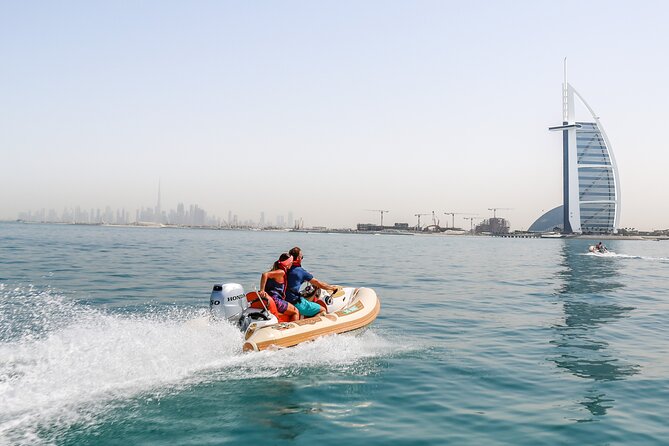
pixel 181 214
pixel 591 185
pixel 158 212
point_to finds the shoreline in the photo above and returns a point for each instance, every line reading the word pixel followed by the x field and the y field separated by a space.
pixel 150 225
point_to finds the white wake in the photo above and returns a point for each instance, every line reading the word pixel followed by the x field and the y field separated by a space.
pixel 65 362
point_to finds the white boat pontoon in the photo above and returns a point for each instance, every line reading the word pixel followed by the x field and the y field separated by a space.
pixel 347 310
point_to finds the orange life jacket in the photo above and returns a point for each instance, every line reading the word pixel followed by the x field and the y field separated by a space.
pixel 254 302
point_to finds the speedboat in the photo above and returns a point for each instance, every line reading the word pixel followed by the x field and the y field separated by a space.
pixel 603 251
pixel 347 309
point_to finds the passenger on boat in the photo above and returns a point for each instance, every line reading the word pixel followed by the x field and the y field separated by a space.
pixel 296 277
pixel 273 284
pixel 600 247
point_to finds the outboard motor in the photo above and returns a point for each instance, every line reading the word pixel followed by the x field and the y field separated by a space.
pixel 227 302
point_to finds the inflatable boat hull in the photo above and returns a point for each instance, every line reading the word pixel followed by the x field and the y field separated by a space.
pixel 361 311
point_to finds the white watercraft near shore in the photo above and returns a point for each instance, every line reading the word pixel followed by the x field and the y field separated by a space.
pixel 603 252
pixel 348 309
pixel 551 235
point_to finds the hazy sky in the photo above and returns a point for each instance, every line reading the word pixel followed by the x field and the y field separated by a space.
pixel 326 108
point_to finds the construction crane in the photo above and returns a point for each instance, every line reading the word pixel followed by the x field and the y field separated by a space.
pixel 381 211
pixel 419 215
pixel 471 223
pixel 435 220
pixel 453 214
pixel 494 211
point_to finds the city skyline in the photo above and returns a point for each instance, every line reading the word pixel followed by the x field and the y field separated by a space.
pixel 196 216
pixel 327 109
pixel 193 216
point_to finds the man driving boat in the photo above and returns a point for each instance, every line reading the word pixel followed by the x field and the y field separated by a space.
pixel 296 277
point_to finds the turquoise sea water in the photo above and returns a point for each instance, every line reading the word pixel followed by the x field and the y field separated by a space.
pixel 479 341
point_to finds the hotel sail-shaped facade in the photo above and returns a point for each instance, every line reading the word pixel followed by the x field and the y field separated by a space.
pixel 591 186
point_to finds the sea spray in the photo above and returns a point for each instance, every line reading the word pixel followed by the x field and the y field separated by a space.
pixel 59 355
pixel 62 362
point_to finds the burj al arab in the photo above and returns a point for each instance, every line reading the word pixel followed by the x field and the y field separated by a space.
pixel 591 185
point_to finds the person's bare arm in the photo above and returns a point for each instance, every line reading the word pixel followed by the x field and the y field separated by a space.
pixel 323 285
pixel 268 275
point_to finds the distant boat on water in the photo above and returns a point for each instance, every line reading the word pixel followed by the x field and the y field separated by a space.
pixel 552 235
pixel 449 231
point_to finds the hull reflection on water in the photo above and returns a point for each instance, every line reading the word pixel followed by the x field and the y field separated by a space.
pixel 581 346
